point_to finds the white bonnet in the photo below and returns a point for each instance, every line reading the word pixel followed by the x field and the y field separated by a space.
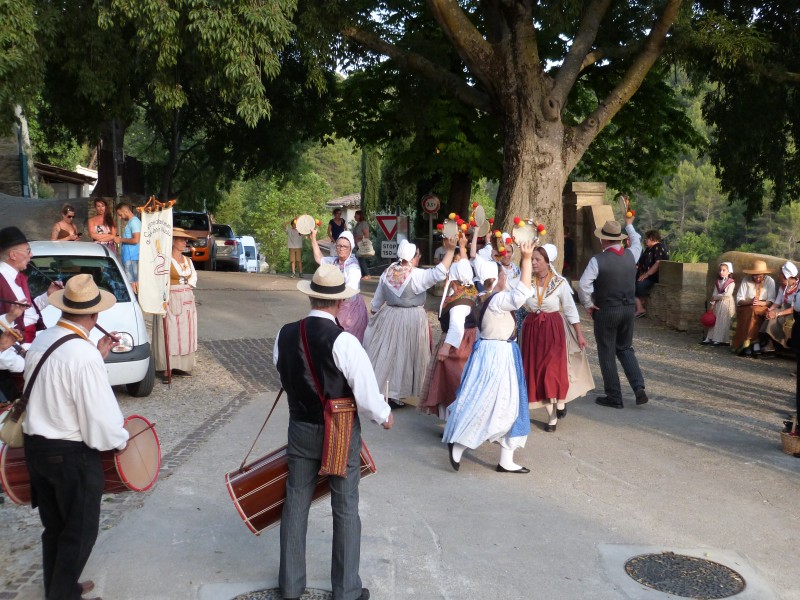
pixel 486 269
pixel 349 237
pixel 551 251
pixel 789 270
pixel 461 271
pixel 406 250
pixel 729 265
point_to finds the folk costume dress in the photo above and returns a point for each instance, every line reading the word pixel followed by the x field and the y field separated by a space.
pixel 181 317
pixel 458 317
pixel 555 366
pixel 779 328
pixel 492 402
pixel 353 316
pixel 398 337
pixel 724 309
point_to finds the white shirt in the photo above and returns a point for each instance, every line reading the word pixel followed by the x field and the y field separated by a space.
pixel 9 359
pixel 421 280
pixel 30 315
pixel 186 270
pixel 352 360
pixel 561 299
pixel 586 285
pixel 455 332
pixel 747 289
pixel 71 398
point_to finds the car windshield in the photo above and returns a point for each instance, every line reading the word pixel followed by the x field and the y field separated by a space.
pixel 224 231
pixel 190 221
pixel 103 270
pixel 250 251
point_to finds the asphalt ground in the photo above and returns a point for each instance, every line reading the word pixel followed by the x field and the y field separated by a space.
pixel 698 470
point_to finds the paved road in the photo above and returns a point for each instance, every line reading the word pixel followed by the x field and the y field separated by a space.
pixel 697 470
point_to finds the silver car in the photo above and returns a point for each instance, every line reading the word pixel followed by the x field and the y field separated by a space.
pixel 226 246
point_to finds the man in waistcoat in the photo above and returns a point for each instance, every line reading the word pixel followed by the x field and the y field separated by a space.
pixel 15 254
pixel 608 291
pixel 341 368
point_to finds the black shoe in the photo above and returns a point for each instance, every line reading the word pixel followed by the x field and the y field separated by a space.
pixel 705 342
pixel 606 401
pixel 456 465
pixel 364 594
pixel 719 344
pixel 395 404
pixel 561 412
pixel 550 428
pixel 521 470
pixel 641 396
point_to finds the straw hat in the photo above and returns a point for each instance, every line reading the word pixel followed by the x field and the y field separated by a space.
pixel 612 230
pixel 327 284
pixel 759 268
pixel 81 296
pixel 180 232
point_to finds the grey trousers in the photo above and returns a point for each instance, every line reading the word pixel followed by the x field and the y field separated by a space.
pixel 305 454
pixel 613 332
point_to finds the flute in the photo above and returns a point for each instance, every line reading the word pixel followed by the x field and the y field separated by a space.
pixel 106 333
pixel 18 348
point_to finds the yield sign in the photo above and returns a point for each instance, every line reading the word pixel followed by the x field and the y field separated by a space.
pixel 388 223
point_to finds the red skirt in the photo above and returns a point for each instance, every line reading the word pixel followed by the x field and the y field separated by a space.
pixel 444 377
pixel 544 356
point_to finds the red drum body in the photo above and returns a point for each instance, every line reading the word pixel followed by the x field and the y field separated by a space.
pixel 135 469
pixel 14 475
pixel 258 490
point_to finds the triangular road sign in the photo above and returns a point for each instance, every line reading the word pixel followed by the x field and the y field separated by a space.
pixel 388 223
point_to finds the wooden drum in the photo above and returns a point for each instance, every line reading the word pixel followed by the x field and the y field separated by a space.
pixel 135 469
pixel 258 490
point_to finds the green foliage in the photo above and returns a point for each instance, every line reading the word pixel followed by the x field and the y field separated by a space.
pixel 338 161
pixel 51 142
pixel 693 247
pixel 263 207
pixel 370 180
pixel 20 58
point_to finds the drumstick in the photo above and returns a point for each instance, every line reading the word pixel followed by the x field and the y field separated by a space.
pixel 386 395
pixel 12 331
pixel 148 428
pixel 17 302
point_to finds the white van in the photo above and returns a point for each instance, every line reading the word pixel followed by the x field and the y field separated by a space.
pixel 250 252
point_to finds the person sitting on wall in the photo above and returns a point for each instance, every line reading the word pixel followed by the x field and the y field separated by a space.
pixel 753 300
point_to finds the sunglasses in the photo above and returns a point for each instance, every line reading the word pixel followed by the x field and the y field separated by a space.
pixel 70 216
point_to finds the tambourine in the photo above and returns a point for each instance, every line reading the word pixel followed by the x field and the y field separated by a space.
pixel 624 204
pixel 525 231
pixel 450 228
pixel 305 224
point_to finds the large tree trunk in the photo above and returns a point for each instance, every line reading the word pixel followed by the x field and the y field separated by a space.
pixel 460 193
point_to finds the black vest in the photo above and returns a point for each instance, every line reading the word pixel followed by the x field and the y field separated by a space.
pixel 469 323
pixel 296 379
pixel 616 279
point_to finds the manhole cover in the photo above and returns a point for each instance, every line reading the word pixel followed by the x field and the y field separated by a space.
pixel 685 576
pixel 275 594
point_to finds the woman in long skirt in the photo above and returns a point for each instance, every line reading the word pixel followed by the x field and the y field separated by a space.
pixel 181 317
pixel 492 401
pixel 775 326
pixel 353 315
pixel 724 307
pixel 544 341
pixel 398 337
pixel 458 318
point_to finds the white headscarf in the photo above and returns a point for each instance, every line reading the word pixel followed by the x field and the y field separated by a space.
pixel 551 251
pixel 349 237
pixel 789 270
pixel 729 265
pixel 486 269
pixel 461 271
pixel 406 250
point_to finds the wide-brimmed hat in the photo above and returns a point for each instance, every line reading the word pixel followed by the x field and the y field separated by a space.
pixel 81 296
pixel 759 267
pixel 180 232
pixel 11 236
pixel 327 284
pixel 611 230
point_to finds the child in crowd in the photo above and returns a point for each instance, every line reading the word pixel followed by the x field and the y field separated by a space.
pixel 724 307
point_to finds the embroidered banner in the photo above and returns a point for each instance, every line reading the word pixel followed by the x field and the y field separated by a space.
pixel 155 251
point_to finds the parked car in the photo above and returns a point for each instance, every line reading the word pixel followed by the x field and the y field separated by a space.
pixel 242 256
pixel 131 363
pixel 203 251
pixel 227 247
pixel 252 257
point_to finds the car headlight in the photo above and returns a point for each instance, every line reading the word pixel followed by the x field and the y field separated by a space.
pixel 201 243
pixel 125 342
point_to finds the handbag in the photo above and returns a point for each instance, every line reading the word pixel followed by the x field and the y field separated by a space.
pixel 11 433
pixel 365 249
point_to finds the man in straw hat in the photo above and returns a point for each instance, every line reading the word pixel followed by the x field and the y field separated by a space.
pixel 341 369
pixel 72 416
pixel 608 291
pixel 753 298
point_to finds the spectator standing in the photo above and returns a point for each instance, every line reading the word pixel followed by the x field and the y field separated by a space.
pixel 129 242
pixel 341 369
pixel 336 225
pixel 724 307
pixel 72 416
pixel 647 268
pixel 607 290
pixel 360 232
pixel 65 229
pixel 753 299
pixel 295 244
pixel 102 229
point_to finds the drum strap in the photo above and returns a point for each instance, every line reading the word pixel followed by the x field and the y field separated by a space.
pixel 339 416
pixel 241 466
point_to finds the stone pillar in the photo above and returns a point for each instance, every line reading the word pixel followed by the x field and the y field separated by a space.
pixel 585 210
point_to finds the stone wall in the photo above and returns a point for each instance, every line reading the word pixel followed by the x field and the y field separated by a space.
pixel 679 297
pixel 584 211
pixel 9 166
